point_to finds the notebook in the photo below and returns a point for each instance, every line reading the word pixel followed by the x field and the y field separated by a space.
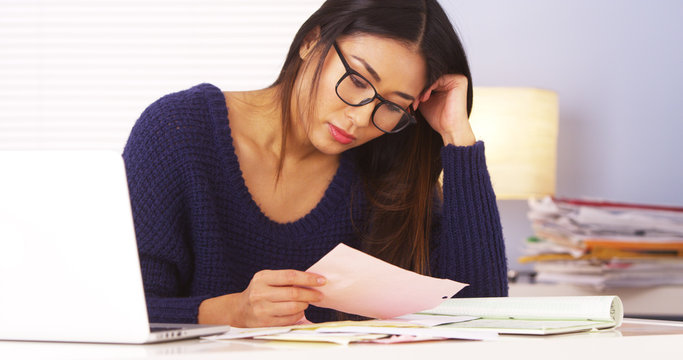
pixel 69 267
pixel 544 315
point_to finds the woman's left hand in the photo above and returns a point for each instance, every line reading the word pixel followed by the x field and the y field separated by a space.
pixel 444 105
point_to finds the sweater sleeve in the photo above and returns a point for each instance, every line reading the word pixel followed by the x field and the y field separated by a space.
pixel 154 167
pixel 468 242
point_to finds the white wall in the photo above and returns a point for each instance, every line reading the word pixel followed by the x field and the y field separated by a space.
pixel 95 64
pixel 76 74
pixel 617 67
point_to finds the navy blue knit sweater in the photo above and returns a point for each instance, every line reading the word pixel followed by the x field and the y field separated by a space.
pixel 200 234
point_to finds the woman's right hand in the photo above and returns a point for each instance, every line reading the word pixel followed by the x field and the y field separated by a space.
pixel 273 298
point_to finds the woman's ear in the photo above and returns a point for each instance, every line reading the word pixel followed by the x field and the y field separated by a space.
pixel 309 42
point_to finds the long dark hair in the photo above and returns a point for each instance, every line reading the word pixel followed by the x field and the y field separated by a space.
pixel 399 172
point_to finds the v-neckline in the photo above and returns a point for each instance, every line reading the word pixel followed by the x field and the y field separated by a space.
pixel 336 194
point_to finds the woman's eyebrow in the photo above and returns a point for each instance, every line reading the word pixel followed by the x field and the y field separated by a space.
pixel 376 76
pixel 368 68
pixel 404 95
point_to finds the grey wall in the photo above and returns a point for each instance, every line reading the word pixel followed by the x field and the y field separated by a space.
pixel 617 67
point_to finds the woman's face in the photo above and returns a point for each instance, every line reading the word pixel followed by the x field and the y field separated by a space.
pixel 396 71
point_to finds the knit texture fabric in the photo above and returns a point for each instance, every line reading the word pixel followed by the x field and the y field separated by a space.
pixel 200 234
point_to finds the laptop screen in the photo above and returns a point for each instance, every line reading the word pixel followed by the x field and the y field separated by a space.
pixel 69 268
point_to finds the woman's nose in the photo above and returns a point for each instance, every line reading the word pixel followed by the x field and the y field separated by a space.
pixel 360 115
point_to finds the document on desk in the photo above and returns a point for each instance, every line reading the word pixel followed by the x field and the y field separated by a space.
pixel 358 283
pixel 404 329
pixel 534 315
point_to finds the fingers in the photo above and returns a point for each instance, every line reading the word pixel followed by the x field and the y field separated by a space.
pixel 293 293
pixel 285 285
pixel 426 94
pixel 285 309
pixel 274 294
pixel 281 320
pixel 279 297
pixel 280 314
pixel 289 278
pixel 416 103
pixel 444 83
pixel 268 313
pixel 278 309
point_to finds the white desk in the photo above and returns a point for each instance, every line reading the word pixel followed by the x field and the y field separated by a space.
pixel 636 339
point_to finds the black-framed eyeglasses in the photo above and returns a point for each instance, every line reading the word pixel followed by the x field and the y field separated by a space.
pixel 355 90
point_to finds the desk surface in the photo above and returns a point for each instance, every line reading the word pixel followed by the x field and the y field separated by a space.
pixel 635 339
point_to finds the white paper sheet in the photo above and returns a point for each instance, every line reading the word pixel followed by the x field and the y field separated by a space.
pixel 358 283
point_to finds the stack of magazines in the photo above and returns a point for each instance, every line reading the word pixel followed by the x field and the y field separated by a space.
pixel 605 244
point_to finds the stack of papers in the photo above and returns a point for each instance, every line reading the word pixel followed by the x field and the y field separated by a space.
pixel 408 329
pixel 465 319
pixel 605 244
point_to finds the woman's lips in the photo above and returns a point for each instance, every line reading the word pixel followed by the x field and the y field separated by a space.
pixel 340 135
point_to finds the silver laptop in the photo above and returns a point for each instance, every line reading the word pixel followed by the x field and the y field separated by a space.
pixel 69 268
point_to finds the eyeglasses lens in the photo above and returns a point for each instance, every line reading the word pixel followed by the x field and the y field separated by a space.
pixel 355 90
pixel 390 117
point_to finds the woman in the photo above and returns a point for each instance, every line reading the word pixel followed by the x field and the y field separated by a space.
pixel 235 194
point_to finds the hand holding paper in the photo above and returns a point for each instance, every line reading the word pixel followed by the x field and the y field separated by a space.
pixel 272 298
pixel 358 283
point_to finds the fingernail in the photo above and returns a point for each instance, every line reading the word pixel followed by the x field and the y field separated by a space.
pixel 321 280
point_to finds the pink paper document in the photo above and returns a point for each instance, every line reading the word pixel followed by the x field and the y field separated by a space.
pixel 358 283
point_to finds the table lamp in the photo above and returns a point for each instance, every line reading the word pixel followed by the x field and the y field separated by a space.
pixel 519 127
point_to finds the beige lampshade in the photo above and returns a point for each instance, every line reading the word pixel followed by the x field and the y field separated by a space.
pixel 519 128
